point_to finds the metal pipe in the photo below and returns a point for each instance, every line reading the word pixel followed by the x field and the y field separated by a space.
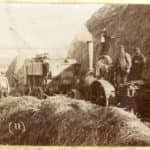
pixel 91 55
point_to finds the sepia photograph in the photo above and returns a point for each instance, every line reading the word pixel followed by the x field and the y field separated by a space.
pixel 74 74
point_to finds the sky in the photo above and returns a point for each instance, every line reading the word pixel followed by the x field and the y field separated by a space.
pixel 48 27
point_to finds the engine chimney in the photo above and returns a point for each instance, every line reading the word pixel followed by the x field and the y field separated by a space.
pixel 91 52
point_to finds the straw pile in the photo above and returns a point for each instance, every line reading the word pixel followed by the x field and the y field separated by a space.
pixel 126 23
pixel 60 120
pixel 79 48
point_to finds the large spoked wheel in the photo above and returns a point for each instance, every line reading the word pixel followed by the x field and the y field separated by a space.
pixel 101 98
pixel 39 92
pixel 5 94
pixel 1 94
pixel 98 95
pixel 29 91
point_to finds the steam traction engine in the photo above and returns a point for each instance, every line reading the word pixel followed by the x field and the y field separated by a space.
pixel 133 95
pixel 99 91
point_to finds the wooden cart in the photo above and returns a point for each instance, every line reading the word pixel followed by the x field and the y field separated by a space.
pixel 35 79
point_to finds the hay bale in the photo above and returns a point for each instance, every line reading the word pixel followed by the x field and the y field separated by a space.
pixel 59 120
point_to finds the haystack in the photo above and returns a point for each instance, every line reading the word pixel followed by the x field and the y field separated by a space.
pixel 126 23
pixel 61 121
pixel 16 69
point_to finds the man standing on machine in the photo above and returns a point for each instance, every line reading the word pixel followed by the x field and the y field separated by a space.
pixel 138 62
pixel 123 65
pixel 105 40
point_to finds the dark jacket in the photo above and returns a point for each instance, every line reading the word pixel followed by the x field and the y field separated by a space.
pixel 138 62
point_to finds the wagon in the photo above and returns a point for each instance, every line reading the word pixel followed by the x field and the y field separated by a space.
pixel 36 78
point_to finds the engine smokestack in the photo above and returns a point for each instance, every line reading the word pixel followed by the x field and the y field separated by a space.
pixel 91 52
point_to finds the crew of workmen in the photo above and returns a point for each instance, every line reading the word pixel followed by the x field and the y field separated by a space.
pixel 124 68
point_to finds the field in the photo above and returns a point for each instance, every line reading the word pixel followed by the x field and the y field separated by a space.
pixel 60 120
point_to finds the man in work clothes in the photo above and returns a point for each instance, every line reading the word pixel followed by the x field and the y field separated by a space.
pixel 103 67
pixel 146 69
pixel 105 42
pixel 123 65
pixel 138 62
pixel 104 39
